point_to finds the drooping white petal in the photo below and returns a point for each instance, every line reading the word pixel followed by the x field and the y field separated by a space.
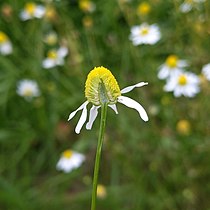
pixel 92 117
pixel 113 107
pixel 135 105
pixel 62 52
pixel 129 88
pixel 82 119
pixel 80 108
pixel 48 63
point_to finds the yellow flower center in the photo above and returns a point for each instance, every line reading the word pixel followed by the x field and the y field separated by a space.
pixel 144 31
pixel 3 37
pixel 183 127
pixel 101 87
pixel 52 54
pixel 182 80
pixel 51 39
pixel 171 61
pixel 50 13
pixel 30 8
pixel 101 191
pixel 143 8
pixel 67 153
pixel 86 5
pixel 28 92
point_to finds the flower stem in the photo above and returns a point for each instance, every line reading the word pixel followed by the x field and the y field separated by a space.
pixel 98 154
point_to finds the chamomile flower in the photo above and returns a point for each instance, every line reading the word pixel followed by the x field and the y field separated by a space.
pixel 5 44
pixel 55 58
pixel 183 83
pixel 187 5
pixel 206 71
pixel 32 10
pixel 87 6
pixel 171 66
pixel 101 87
pixel 70 160
pixel 145 34
pixel 28 89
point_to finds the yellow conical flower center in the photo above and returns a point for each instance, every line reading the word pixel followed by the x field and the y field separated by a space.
pixel 67 153
pixel 144 31
pixel 182 80
pixel 52 54
pixel 101 87
pixel 171 61
pixel 30 8
pixel 3 37
pixel 143 8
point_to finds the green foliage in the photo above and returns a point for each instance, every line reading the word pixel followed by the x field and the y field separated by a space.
pixel 155 165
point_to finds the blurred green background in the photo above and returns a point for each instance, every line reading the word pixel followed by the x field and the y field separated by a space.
pixel 161 165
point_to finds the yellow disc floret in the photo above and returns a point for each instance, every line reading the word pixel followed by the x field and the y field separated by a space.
pixel 67 153
pixel 143 8
pixel 3 37
pixel 182 80
pixel 52 54
pixel 101 87
pixel 171 61
pixel 144 31
pixel 30 8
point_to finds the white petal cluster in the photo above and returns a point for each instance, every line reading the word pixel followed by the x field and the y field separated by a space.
pixel 28 89
pixel 187 5
pixel 94 109
pixel 166 70
pixel 31 11
pixel 206 71
pixel 57 59
pixel 145 34
pixel 67 163
pixel 183 83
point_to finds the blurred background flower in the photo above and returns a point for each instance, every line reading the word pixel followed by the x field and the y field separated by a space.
pixel 5 44
pixel 70 160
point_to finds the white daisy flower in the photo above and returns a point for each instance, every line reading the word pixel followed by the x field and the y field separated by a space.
pixel 183 83
pixel 32 10
pixel 102 87
pixel 206 71
pixel 87 6
pixel 28 89
pixel 55 57
pixel 5 44
pixel 187 5
pixel 70 160
pixel 171 66
pixel 145 34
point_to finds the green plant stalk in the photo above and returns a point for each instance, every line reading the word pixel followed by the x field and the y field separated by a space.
pixel 98 154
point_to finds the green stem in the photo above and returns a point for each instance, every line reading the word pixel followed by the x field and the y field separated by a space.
pixel 98 154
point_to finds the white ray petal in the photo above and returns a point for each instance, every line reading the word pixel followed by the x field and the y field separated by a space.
pixel 82 119
pixel 92 117
pixel 135 105
pixel 113 107
pixel 80 108
pixel 129 88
